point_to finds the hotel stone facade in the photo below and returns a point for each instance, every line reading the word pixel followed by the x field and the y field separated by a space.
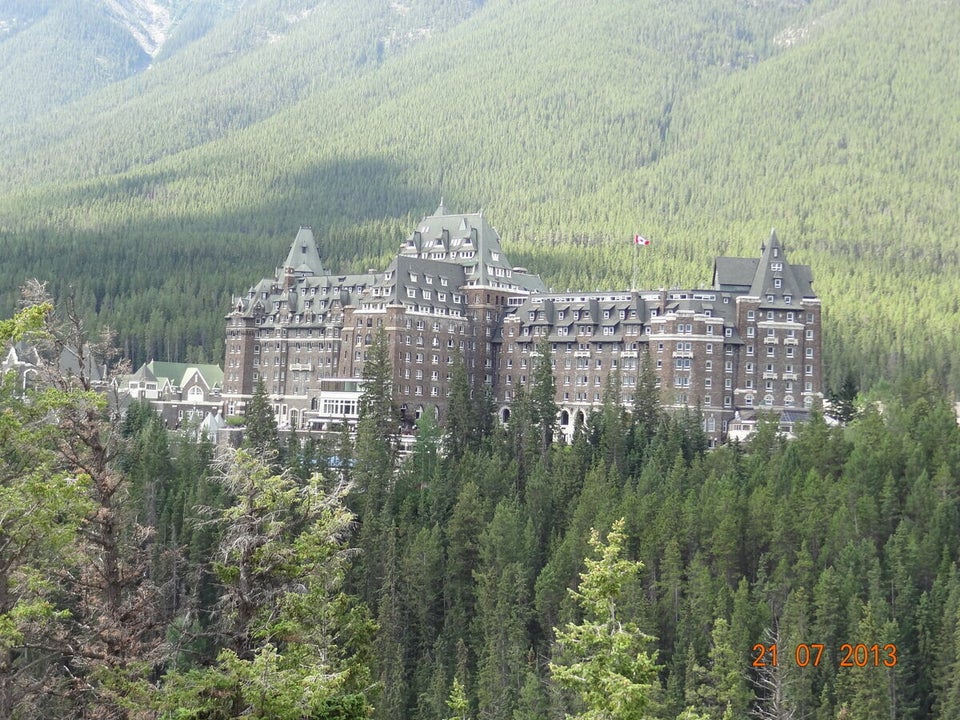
pixel 750 342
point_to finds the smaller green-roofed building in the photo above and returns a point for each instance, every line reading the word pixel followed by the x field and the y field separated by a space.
pixel 181 392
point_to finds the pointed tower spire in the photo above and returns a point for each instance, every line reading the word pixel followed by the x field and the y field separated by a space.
pixel 304 256
pixel 774 276
pixel 441 208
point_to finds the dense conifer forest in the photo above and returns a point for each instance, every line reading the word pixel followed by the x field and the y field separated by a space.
pixel 492 574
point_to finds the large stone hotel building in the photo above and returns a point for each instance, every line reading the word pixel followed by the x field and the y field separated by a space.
pixel 750 342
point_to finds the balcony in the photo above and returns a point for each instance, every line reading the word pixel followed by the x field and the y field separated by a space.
pixel 771 340
pixel 629 353
pixel 295 367
pixel 769 376
pixel 683 354
pixel 582 353
pixel 790 376
pixel 791 341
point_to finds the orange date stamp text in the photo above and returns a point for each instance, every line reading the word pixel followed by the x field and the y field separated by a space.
pixel 811 654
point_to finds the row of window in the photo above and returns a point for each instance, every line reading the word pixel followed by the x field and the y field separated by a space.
pixel 771 351
pixel 789 316
pixel 433 390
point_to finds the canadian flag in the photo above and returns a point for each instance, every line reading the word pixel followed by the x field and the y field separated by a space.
pixel 640 240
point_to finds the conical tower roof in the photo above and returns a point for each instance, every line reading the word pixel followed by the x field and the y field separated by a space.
pixel 304 256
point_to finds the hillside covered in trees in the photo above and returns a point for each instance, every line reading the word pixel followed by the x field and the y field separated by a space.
pixel 156 190
pixel 493 574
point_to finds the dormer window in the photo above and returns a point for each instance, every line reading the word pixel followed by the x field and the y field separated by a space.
pixel 776 267
pixel 777 283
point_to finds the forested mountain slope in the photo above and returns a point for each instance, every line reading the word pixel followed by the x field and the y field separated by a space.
pixel 573 125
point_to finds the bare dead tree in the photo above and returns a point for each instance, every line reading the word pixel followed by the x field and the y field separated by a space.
pixel 773 683
pixel 116 623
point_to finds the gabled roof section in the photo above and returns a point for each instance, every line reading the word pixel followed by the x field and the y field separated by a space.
pixel 468 240
pixel 770 276
pixel 178 373
pixel 304 256
pixel 734 274
pixel 776 277
pixel 407 279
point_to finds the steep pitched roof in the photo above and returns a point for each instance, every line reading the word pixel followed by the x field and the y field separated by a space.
pixel 733 274
pixel 771 275
pixel 777 278
pixel 469 240
pixel 177 373
pixel 304 255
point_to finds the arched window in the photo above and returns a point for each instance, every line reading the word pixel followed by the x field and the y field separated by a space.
pixel 564 418
pixel 195 394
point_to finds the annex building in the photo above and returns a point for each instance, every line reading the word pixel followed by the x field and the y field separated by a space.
pixel 750 342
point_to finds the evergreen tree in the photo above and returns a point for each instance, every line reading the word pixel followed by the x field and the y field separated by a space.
pixel 43 507
pixel 260 429
pixel 376 397
pixel 461 426
pixel 543 397
pixel 294 643
pixel 602 659
pixel 647 409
